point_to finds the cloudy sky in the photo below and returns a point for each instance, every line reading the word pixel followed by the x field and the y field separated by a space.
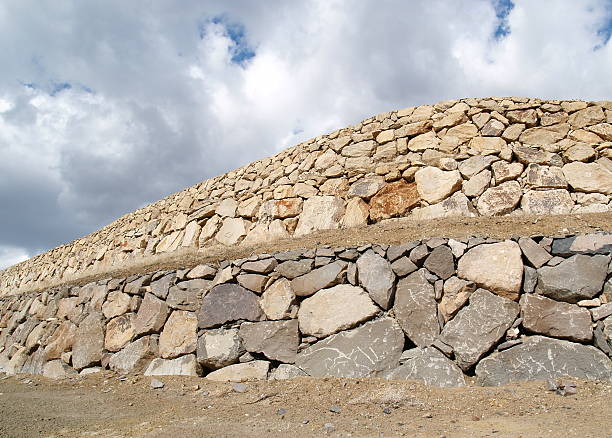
pixel 106 106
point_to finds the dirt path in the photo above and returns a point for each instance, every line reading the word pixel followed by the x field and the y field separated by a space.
pixel 392 231
pixel 107 405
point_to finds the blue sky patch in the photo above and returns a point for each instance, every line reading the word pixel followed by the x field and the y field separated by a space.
pixel 502 10
pixel 241 52
pixel 605 30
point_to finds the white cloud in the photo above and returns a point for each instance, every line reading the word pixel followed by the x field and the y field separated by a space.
pixel 10 256
pixel 162 96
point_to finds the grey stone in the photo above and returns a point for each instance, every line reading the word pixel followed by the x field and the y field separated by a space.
pixel 156 384
pixel 476 164
pixel 530 279
pixel 558 320
pixel 415 309
pixel 377 277
pixel 181 366
pixel 318 279
pixel 57 369
pixel 441 262
pixel 196 283
pixel 590 244
pixel 362 352
pixel 578 278
pixel 602 336
pixel 89 342
pixel 394 252
pixel 260 267
pixel 536 255
pixel 219 348
pixel 135 357
pixel 479 326
pixel 135 287
pixel 419 253
pixel 277 340
pixel 161 287
pixel 403 266
pixel 429 366
pixel 285 371
pixel 183 299
pixel 541 358
pixel 226 303
pixel 601 312
pixel 294 268
pixel 326 312
pixel 151 315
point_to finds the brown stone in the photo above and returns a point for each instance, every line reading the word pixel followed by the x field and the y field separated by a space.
pixel 119 332
pixel 395 199
pixel 179 335
pixel 151 316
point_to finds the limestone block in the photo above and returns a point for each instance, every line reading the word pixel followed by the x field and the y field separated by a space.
pixel 181 366
pixel 429 366
pixel 546 202
pixel 278 299
pixel 219 348
pixel 89 342
pixel 376 276
pixel 500 200
pixel 434 184
pixel 179 335
pixel 277 340
pixel 241 372
pixel 320 213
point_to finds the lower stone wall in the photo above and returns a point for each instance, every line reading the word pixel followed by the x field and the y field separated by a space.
pixel 437 310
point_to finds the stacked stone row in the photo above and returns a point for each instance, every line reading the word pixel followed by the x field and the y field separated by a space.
pixel 434 310
pixel 470 157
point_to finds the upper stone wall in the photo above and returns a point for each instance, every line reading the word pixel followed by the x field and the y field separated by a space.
pixel 470 157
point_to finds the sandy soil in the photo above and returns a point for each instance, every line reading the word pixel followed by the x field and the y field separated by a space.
pixel 392 231
pixel 107 405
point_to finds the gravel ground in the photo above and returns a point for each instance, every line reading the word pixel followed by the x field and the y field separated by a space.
pixel 108 405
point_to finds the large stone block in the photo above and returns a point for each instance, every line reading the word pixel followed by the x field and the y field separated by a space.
pixel 479 326
pixel 320 213
pixel 219 348
pixel 228 302
pixel 61 340
pixel 240 372
pixel 318 279
pixel 395 199
pixel 179 335
pixel 181 366
pixel 416 310
pixel 362 352
pixel 588 177
pixel 135 357
pixel 500 200
pixel 377 277
pixel 435 185
pixel 558 320
pixel 546 202
pixel 151 315
pixel 89 342
pixel 327 312
pixel 540 358
pixel 580 277
pixel 278 299
pixel 497 267
pixel 277 340
pixel 429 366
pixel 119 332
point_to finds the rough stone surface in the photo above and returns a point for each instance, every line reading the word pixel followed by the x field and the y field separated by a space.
pixel 277 340
pixel 591 244
pixel 219 348
pixel 286 371
pixel 497 267
pixel 377 277
pixel 320 213
pixel 429 366
pixel 57 369
pixel 89 342
pixel 326 312
pixel 558 320
pixel 478 326
pixel 61 340
pixel 357 213
pixel 455 206
pixel 415 309
pixel 456 294
pixel 179 335
pixel 232 230
pixel 117 303
pixel 181 366
pixel 241 372
pixel 395 199
pixel 536 255
pixel 278 299
pixel 253 282
pixel 580 277
pixel 435 185
pixel 317 279
pixel 540 358
pixel 588 177
pixel 441 262
pixel 184 299
pixel 294 268
pixel 151 315
pixel 545 202
pixel 135 357
pixel 228 302
pixel 119 332
pixel 499 200
pixel 362 352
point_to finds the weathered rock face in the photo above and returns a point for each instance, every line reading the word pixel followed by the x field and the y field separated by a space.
pixel 278 299
pixel 365 351
pixel 151 315
pixel 578 278
pixel 500 200
pixel 320 213
pixel 179 335
pixel 240 372
pixel 228 302
pixel 119 332
pixel 415 309
pixel 479 326
pixel 377 277
pixel 326 312
pixel 181 366
pixel 559 320
pixel 429 366
pixel 395 199
pixel 277 340
pixel 435 185
pixel 540 358
pixel 497 267
pixel 135 358
pixel 318 279
pixel 89 342
pixel 588 177
pixel 544 202
pixel 219 348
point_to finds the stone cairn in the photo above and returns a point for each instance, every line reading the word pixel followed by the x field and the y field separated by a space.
pixel 438 310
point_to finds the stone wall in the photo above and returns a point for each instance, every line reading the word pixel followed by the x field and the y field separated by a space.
pixel 494 156
pixel 437 310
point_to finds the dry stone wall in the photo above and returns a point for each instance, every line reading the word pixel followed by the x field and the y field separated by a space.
pixel 470 157
pixel 437 310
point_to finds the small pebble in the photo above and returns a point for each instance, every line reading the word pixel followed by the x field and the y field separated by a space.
pixel 329 427
pixel 305 421
pixel 387 411
pixel 335 409
pixel 239 387
pixel 428 415
pixel 156 384
pixel 281 411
